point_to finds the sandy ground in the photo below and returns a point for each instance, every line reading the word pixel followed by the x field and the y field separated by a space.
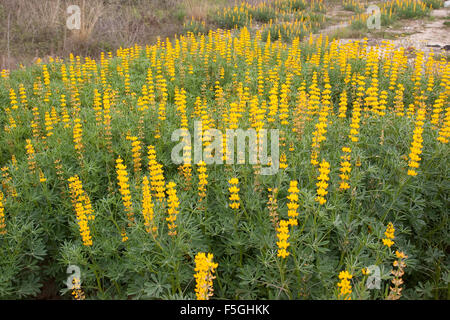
pixel 424 35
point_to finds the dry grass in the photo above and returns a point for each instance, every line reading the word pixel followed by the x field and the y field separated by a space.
pixel 37 28
pixel 199 9
pixel 91 13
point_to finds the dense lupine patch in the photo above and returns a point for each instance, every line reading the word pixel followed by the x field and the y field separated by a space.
pixel 363 153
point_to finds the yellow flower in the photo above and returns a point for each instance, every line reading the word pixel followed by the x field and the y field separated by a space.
pixel 322 185
pixel 202 180
pixel 122 177
pixel 83 208
pixel 400 255
pixel 389 234
pixel 205 269
pixel 124 236
pixel 97 106
pixel 2 215
pixel 136 153
pixel 77 136
pixel 273 206
pixel 234 196
pixel 345 288
pixel 388 242
pixel 283 161
pixel 396 291
pixel 283 236
pixel 343 104
pixel 42 178
pixel 30 155
pixel 293 203
pixel 77 292
pixel 345 168
pixel 156 175
pixel 173 203
pixel 147 207
pixel 416 144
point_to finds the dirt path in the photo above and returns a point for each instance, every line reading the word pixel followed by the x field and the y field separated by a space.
pixel 339 16
pixel 422 34
pixel 426 35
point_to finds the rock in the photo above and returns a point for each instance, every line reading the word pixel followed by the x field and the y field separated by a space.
pixel 447 4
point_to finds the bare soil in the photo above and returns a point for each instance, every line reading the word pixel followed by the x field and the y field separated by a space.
pixel 429 34
pixel 426 35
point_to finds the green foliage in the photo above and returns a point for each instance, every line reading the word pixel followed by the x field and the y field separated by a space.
pixel 195 27
pixel 262 14
pixel 435 4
